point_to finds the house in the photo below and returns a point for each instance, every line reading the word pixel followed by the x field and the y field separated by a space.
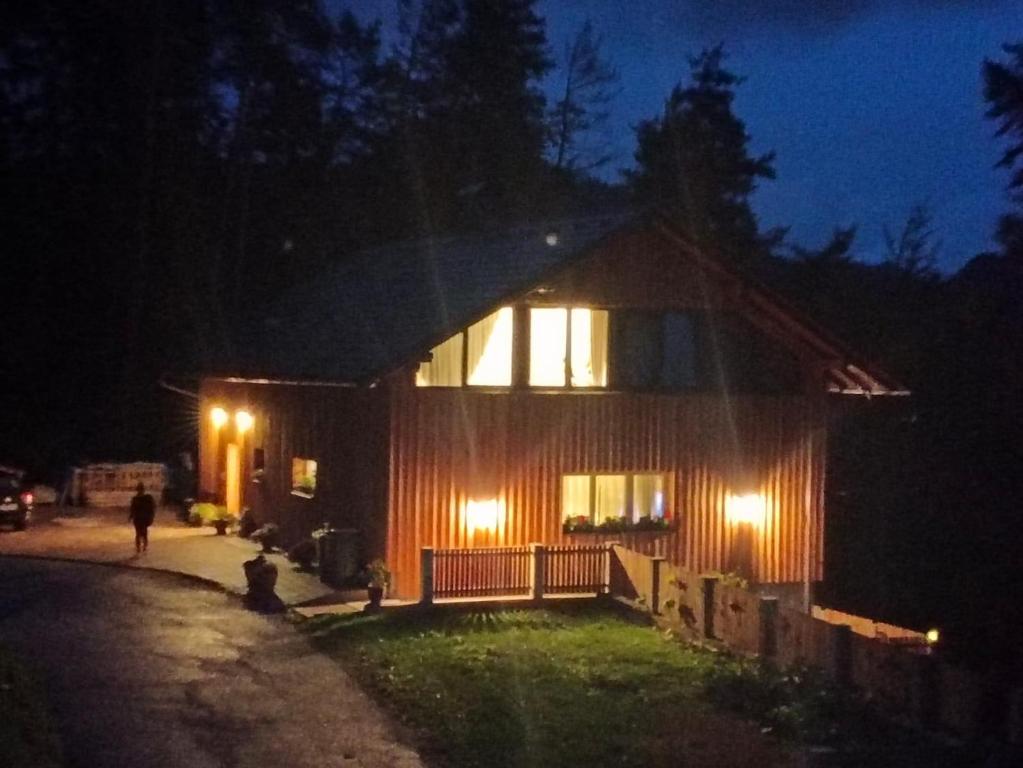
pixel 587 381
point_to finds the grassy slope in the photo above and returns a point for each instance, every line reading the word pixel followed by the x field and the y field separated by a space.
pixel 27 738
pixel 585 687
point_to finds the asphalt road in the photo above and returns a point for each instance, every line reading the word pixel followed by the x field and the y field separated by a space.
pixel 149 670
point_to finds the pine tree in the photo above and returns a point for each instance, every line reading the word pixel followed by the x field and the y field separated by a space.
pixel 1003 90
pixel 694 162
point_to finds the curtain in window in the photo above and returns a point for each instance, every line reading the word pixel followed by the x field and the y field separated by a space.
pixel 445 370
pixel 490 350
pixel 548 328
pixel 589 348
pixel 575 496
pixel 648 496
pixel 609 498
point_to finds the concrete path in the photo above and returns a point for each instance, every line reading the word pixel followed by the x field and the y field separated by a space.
pixel 105 536
pixel 148 670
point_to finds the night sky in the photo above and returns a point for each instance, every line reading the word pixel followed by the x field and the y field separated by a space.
pixel 871 106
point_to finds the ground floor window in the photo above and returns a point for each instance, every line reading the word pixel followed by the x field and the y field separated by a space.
pixel 303 476
pixel 615 501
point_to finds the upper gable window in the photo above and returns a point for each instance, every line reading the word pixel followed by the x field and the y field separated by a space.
pixel 567 346
pixel 479 356
pixel 655 350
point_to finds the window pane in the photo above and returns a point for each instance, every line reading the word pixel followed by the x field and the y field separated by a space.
pixel 303 475
pixel 609 500
pixel 648 496
pixel 637 350
pixel 445 370
pixel 678 363
pixel 548 329
pixel 589 348
pixel 575 497
pixel 490 350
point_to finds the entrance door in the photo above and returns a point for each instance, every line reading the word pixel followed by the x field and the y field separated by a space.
pixel 232 467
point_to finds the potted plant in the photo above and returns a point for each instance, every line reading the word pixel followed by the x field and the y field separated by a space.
pixel 267 536
pixel 379 580
pixel 222 521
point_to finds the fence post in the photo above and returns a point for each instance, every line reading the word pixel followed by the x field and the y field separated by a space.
pixel 841 653
pixel 426 575
pixel 538 552
pixel 709 583
pixel 657 569
pixel 768 642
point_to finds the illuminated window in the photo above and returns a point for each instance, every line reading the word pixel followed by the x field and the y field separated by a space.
pixel 303 476
pixel 445 366
pixel 578 336
pixel 483 352
pixel 490 350
pixel 629 499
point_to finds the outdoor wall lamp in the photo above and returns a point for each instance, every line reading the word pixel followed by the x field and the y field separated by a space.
pixel 218 416
pixel 482 514
pixel 243 421
pixel 748 508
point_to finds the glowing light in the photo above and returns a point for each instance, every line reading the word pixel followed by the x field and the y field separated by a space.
pixel 218 416
pixel 548 328
pixel 243 421
pixel 749 508
pixel 932 636
pixel 551 238
pixel 482 514
pixel 490 346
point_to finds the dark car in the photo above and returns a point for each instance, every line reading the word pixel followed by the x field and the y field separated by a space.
pixel 15 502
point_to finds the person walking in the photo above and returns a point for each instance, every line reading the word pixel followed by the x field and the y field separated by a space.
pixel 142 512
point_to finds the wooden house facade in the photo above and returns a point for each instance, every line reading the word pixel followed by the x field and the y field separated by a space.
pixel 587 382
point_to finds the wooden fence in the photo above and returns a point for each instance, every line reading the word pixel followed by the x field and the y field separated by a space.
pixel 533 571
pixel 914 687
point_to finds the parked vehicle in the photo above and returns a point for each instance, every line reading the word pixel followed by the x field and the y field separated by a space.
pixel 15 502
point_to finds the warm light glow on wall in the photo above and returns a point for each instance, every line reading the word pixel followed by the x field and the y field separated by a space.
pixel 243 421
pixel 748 508
pixel 218 416
pixel 483 514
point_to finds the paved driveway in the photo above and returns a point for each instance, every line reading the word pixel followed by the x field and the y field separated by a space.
pixel 105 536
pixel 148 670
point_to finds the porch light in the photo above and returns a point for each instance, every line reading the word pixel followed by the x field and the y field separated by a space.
pixel 482 515
pixel 218 416
pixel 243 421
pixel 932 636
pixel 749 508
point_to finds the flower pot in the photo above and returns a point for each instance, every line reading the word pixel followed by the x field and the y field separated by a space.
pixel 221 527
pixel 376 595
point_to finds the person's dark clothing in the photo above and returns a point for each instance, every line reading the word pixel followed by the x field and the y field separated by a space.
pixel 142 512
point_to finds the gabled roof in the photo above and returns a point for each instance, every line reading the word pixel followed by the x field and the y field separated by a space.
pixel 391 305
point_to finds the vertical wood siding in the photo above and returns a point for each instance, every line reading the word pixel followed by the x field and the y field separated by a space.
pixel 343 429
pixel 450 446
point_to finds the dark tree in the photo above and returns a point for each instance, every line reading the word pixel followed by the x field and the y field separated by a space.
pixel 1003 90
pixel 914 249
pixel 694 161
pixel 590 86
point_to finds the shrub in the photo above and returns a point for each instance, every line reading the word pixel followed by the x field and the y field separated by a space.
pixel 378 574
pixel 205 513
pixel 303 553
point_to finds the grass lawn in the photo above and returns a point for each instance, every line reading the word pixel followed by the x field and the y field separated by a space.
pixel 586 686
pixel 27 739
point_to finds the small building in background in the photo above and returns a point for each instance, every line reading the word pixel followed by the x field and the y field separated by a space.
pixel 110 484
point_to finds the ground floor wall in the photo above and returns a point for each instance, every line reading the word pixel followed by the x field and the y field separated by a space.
pixel 344 430
pixel 452 448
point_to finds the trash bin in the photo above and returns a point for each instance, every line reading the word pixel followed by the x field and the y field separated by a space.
pixel 338 554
